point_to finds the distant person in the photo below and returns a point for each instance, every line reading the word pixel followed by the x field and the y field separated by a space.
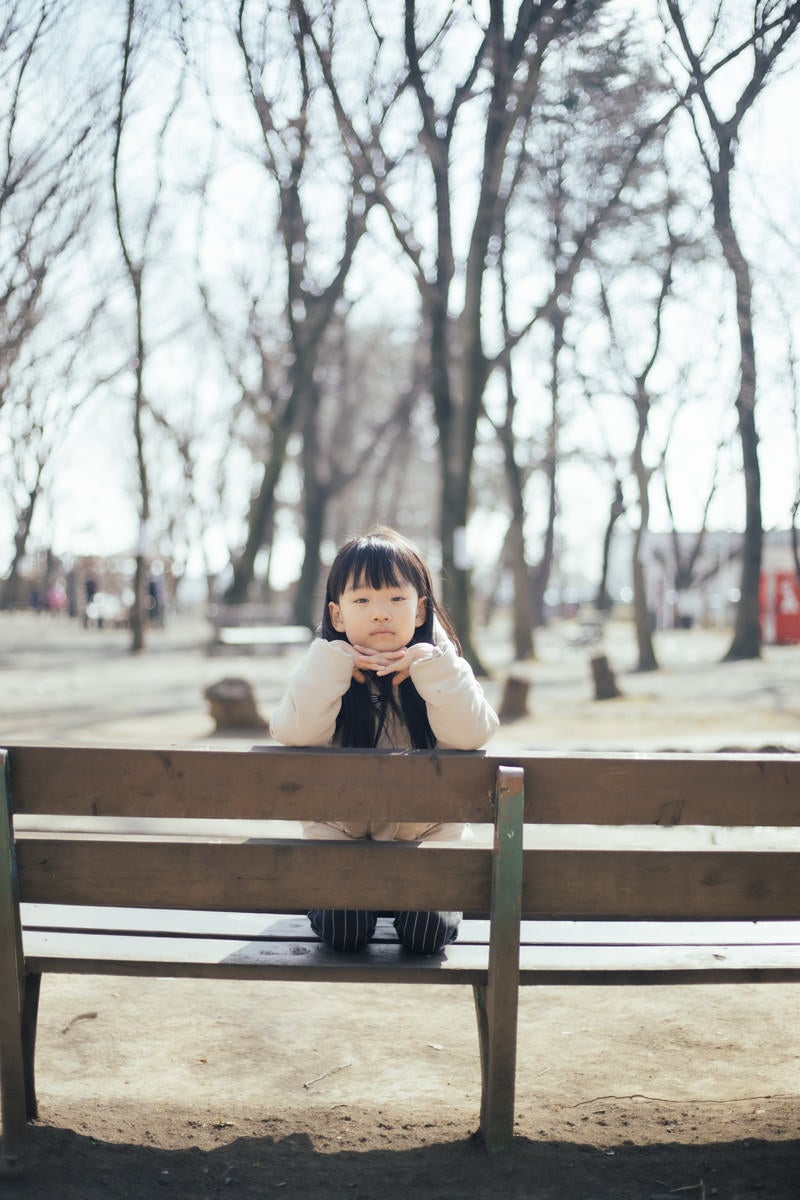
pixel 154 602
pixel 385 672
pixel 57 597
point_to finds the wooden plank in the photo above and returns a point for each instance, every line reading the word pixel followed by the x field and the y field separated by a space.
pixel 269 876
pixel 222 958
pixel 662 789
pixel 272 783
pixel 155 922
pixel 579 788
pixel 579 960
pixel 292 876
pixel 174 957
pixel 627 884
pixel 189 923
pixel 502 986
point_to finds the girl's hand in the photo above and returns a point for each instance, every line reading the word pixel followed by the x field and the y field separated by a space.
pixel 395 662
pixel 365 659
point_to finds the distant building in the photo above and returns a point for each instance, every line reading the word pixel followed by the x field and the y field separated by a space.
pixel 712 598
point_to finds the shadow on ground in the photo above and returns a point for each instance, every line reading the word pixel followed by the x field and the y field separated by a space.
pixel 61 1164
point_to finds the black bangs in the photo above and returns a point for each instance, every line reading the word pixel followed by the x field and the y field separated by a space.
pixel 377 567
pixel 375 563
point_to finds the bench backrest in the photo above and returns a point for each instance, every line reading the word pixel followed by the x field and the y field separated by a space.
pixel 569 872
pixel 109 857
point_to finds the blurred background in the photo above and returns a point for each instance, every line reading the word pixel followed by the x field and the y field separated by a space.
pixel 519 279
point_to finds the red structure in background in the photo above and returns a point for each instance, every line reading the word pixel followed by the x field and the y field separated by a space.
pixel 779 603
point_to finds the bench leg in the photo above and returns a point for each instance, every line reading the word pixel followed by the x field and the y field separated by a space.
pixel 12 1085
pixel 479 995
pixel 17 1076
pixel 497 1039
pixel 496 1001
pixel 30 1014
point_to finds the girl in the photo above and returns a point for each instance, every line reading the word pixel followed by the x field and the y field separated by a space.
pixel 386 671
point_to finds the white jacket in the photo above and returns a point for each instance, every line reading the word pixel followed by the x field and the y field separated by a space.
pixel 459 714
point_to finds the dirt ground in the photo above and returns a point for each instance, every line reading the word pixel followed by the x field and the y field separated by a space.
pixel 194 1089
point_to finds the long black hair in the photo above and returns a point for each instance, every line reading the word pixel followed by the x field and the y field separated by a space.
pixel 383 558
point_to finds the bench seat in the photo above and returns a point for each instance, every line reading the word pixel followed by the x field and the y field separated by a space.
pixel 278 946
pixel 264 635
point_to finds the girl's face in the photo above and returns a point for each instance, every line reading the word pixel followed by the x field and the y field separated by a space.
pixel 382 618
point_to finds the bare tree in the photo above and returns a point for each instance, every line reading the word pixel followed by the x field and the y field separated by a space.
pixel 640 391
pixel 289 154
pixel 493 95
pixel 590 141
pixel 45 203
pixel 136 262
pixel 35 420
pixel 768 28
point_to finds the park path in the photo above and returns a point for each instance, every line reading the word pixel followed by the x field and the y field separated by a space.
pixel 60 682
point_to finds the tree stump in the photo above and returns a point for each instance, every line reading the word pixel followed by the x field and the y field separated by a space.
pixel 233 705
pixel 605 685
pixel 514 702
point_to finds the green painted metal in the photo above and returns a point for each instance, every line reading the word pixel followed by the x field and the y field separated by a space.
pixel 502 990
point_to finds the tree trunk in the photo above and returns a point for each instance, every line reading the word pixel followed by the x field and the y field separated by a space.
pixel 605 683
pixel 137 614
pixel 263 507
pixel 307 607
pixel 747 630
pixel 515 548
pixel 541 575
pixel 642 616
pixel 12 585
pixel 456 591
pixel 603 601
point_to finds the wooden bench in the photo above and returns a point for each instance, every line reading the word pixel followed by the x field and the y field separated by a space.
pixel 249 627
pixel 164 863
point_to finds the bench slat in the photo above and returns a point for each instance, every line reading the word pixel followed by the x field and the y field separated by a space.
pixel 662 789
pixel 292 876
pixel 297 875
pixel 701 884
pixel 77 918
pixel 579 789
pixel 209 958
pixel 223 958
pixel 272 783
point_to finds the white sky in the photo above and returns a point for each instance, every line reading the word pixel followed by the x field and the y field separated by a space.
pixel 93 507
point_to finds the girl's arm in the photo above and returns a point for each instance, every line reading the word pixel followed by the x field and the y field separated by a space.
pixel 306 716
pixel 460 715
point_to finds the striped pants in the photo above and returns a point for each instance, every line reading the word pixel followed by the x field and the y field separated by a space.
pixel 419 932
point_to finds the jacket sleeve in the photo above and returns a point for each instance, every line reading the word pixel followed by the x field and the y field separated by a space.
pixel 306 715
pixel 460 715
